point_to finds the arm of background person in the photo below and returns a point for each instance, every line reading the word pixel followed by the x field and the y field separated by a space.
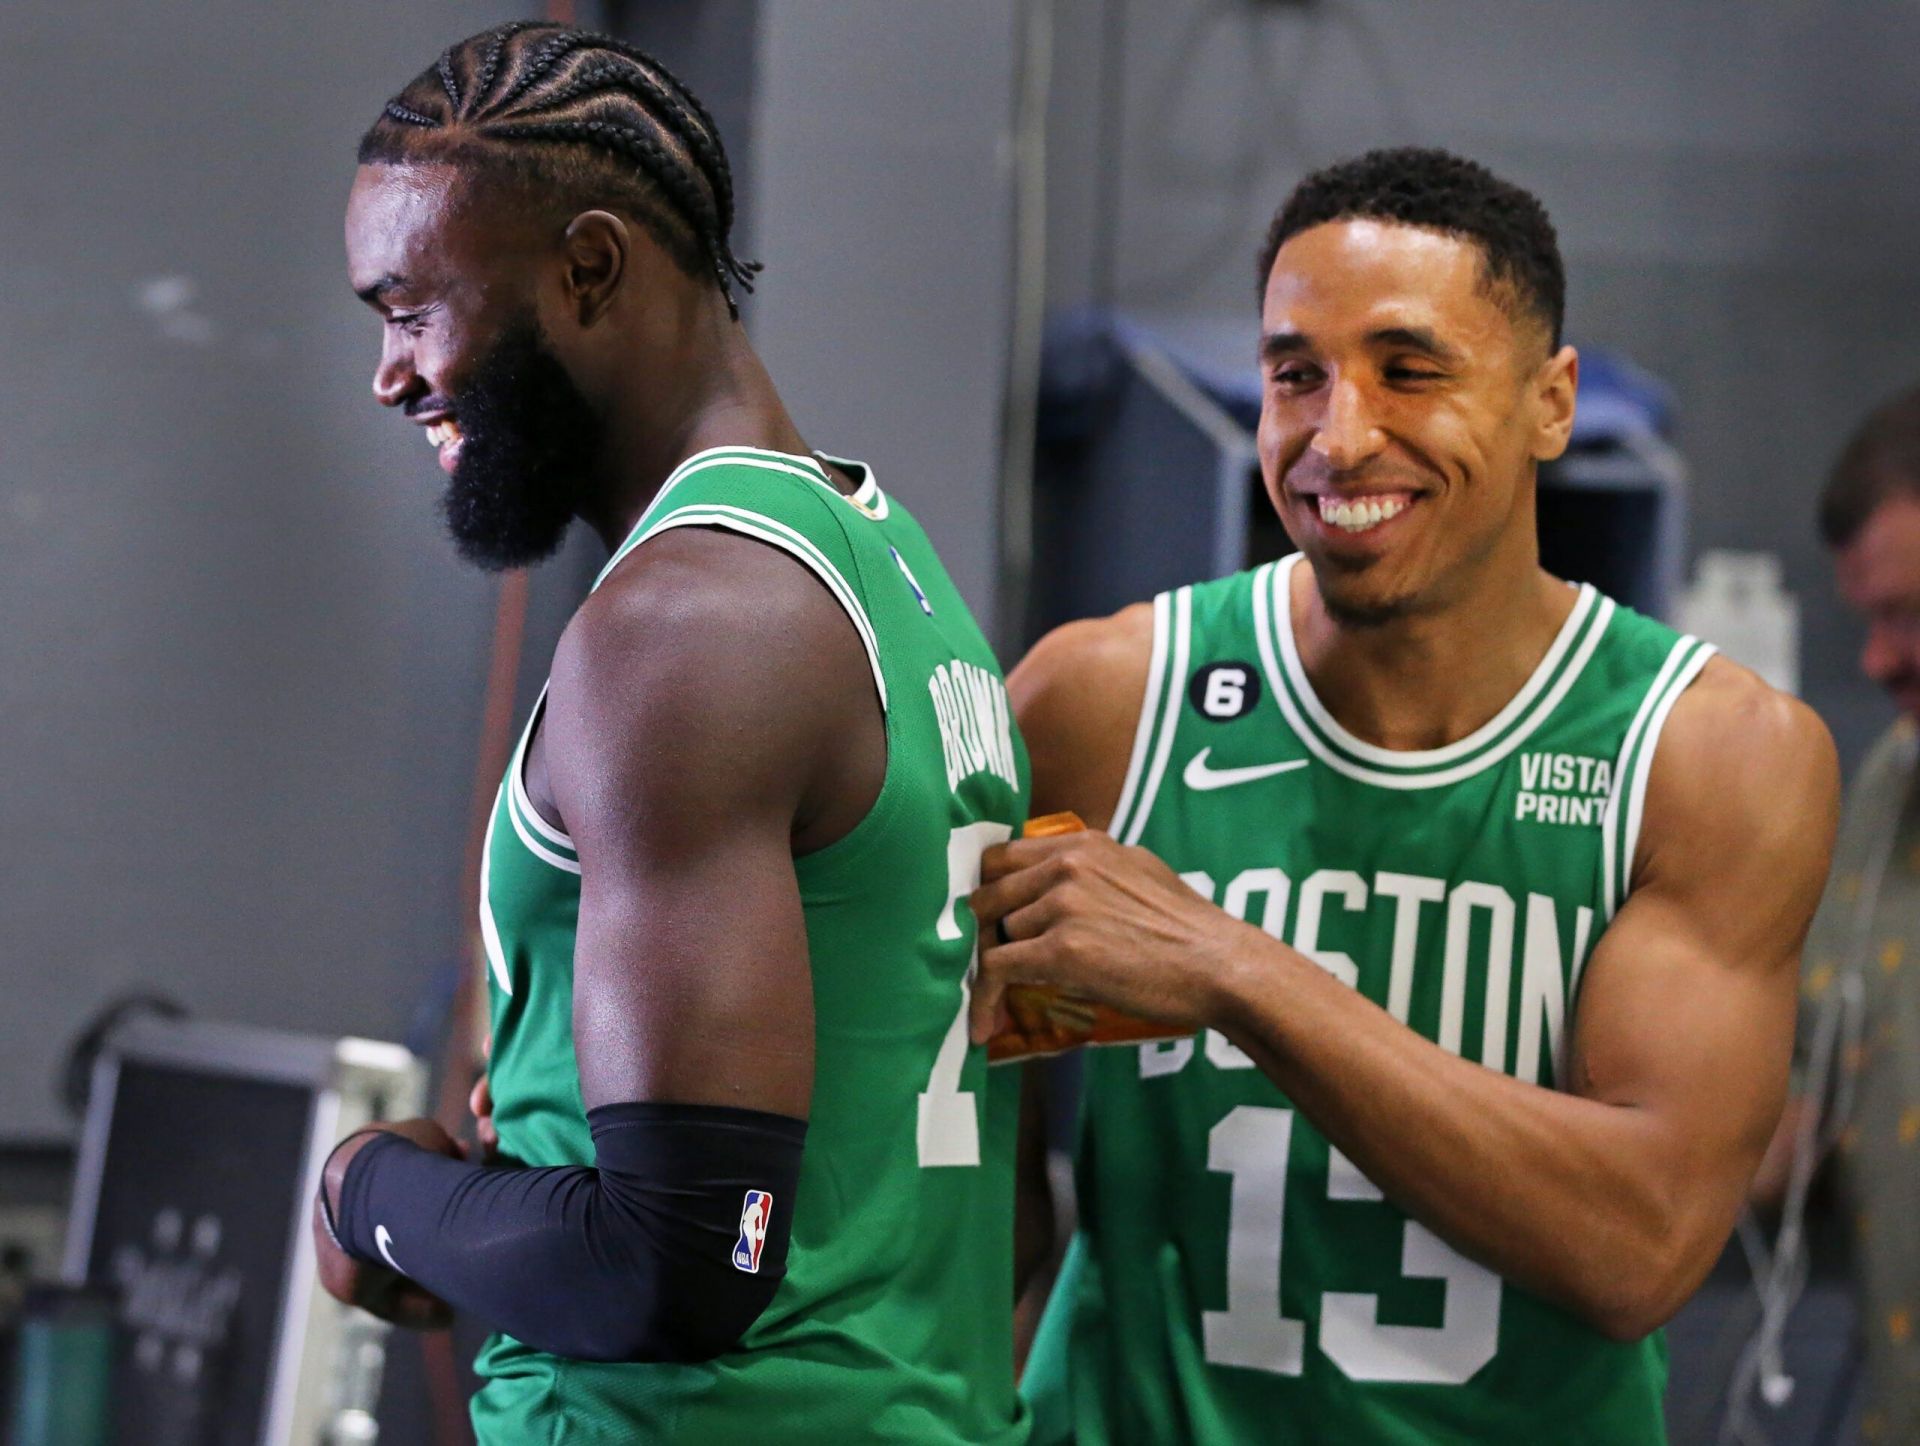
pixel 691 748
pixel 1612 1195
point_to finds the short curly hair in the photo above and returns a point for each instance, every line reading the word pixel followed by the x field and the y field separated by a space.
pixel 1439 191
pixel 1881 461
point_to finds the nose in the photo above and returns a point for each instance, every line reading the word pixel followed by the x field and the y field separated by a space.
pixel 1347 435
pixel 394 380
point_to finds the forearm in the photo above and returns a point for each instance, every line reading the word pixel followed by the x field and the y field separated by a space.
pixel 1583 1202
pixel 634 1260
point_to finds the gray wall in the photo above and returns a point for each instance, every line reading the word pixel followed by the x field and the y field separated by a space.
pixel 1734 196
pixel 883 208
pixel 240 669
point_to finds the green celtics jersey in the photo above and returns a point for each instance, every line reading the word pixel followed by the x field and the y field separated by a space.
pixel 1235 1278
pixel 895 1318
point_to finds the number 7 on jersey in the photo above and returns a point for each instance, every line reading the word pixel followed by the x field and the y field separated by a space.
pixel 949 1125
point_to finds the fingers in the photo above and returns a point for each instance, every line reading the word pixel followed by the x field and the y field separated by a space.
pixel 1023 853
pixel 1008 893
pixel 427 1134
pixel 1000 965
pixel 391 1296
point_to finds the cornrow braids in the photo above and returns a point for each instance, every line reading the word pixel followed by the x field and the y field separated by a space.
pixel 566 97
pixel 591 80
pixel 399 112
pixel 491 65
pixel 447 81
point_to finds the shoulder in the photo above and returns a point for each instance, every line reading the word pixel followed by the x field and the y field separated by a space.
pixel 687 591
pixel 1742 772
pixel 706 653
pixel 1077 695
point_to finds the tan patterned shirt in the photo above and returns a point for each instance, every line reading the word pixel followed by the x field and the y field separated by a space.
pixel 1868 929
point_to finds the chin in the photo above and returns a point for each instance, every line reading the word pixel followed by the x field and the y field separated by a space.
pixel 1362 596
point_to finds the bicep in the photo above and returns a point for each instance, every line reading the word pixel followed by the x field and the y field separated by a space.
pixel 1686 1013
pixel 1693 1036
pixel 686 741
pixel 1077 697
pixel 691 978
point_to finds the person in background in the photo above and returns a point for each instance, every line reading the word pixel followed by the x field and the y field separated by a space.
pixel 1858 1067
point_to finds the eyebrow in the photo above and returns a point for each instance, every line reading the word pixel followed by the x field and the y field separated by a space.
pixel 1415 338
pixel 376 293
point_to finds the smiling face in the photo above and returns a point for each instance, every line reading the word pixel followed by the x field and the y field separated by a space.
pixel 464 355
pixel 1404 405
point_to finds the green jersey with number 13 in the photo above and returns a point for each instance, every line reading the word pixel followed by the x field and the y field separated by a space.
pixel 894 1320
pixel 1235 1278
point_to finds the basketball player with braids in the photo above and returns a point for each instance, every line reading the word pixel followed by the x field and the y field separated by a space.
pixel 1481 894
pixel 755 1178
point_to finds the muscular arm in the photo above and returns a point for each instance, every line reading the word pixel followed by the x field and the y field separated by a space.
pixel 1611 1196
pixel 691 749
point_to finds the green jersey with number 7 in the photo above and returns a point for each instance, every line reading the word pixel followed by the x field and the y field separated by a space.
pixel 894 1322
pixel 1234 1277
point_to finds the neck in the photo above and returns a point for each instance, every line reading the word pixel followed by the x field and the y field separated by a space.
pixel 1430 678
pixel 724 398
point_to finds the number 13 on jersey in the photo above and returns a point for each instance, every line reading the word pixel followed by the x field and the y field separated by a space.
pixel 1252 1144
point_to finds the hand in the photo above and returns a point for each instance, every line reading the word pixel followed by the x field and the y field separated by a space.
pixel 1111 924
pixel 374 1288
pixel 486 1147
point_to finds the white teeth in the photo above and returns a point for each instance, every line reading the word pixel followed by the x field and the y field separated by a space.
pixel 440 433
pixel 1360 514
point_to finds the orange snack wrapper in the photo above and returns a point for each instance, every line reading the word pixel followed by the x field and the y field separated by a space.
pixel 1043 1020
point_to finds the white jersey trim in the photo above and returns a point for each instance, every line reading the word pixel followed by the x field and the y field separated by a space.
pixel 518 777
pixel 867 498
pixel 1636 804
pixel 1143 729
pixel 1265 630
pixel 489 930
pixel 536 847
pixel 1584 602
pixel 772 530
pixel 1182 626
pixel 1610 866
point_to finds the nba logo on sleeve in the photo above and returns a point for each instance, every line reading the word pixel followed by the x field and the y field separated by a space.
pixel 756 1212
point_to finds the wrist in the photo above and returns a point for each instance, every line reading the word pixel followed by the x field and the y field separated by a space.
pixel 343 1187
pixel 1239 959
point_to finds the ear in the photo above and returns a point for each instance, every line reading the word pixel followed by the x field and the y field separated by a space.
pixel 1554 386
pixel 597 248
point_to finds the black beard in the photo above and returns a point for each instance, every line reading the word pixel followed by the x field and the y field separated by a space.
pixel 1363 615
pixel 528 440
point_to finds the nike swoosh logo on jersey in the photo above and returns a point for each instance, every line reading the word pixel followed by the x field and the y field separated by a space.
pixel 385 1241
pixel 1201 778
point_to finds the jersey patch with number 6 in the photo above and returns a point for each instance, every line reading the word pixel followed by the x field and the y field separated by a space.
pixel 1224 691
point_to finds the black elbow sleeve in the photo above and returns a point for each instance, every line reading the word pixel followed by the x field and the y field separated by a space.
pixel 668 1250
pixel 704 1199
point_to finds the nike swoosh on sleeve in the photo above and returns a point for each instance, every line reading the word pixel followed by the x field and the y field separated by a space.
pixel 1202 778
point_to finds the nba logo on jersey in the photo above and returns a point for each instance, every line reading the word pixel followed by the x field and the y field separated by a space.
pixel 755 1214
